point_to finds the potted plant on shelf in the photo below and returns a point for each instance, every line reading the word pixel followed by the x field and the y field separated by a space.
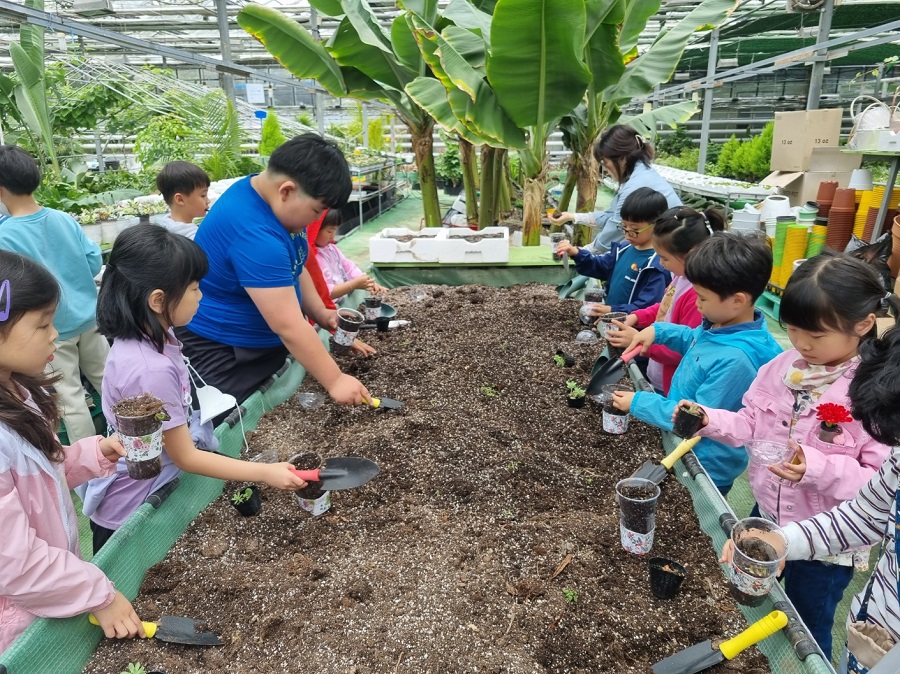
pixel 93 230
pixel 575 394
pixel 247 501
pixel 448 167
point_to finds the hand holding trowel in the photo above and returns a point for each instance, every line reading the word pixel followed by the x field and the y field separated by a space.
pixel 656 473
pixel 340 472
pixel 176 631
pixel 703 656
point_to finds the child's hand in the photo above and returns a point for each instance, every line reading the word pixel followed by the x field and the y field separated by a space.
pixel 560 217
pixel 566 248
pixel 631 320
pixel 622 337
pixel 118 620
pixel 688 403
pixel 111 447
pixel 727 552
pixel 621 400
pixel 795 469
pixel 347 390
pixel 644 339
pixel 280 476
pixel 362 348
pixel 362 282
pixel 376 289
pixel 597 310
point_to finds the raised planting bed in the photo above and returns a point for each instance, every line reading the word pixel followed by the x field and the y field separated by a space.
pixel 446 245
pixel 489 542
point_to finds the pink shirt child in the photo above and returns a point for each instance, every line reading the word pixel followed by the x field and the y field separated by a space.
pixel 683 311
pixel 336 268
pixel 41 570
pixel 834 472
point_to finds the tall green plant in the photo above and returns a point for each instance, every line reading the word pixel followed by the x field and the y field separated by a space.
pixel 271 135
pixel 360 60
pixel 618 76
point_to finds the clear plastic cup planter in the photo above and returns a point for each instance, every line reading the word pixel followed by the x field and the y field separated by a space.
pixel 555 239
pixel 615 421
pixel 349 322
pixel 139 424
pixel 586 337
pixel 310 400
pixel 311 498
pixel 769 452
pixel 637 499
pixel 372 308
pixel 759 548
pixel 584 314
pixel 606 321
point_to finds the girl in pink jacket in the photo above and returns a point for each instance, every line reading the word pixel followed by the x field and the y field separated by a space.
pixel 677 231
pixel 829 307
pixel 41 570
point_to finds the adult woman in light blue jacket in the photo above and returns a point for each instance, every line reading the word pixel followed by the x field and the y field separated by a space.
pixel 626 156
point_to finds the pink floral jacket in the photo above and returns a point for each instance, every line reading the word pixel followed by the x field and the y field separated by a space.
pixel 834 472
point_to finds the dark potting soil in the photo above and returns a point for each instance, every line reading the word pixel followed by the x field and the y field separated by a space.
pixel 406 238
pixel 758 549
pixel 687 421
pixel 139 415
pixel 309 461
pixel 475 238
pixel 489 542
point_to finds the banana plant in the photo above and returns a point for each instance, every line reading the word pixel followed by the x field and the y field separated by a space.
pixel 29 91
pixel 533 74
pixel 619 75
pixel 360 60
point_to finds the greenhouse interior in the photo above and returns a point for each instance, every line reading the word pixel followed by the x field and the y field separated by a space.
pixel 667 233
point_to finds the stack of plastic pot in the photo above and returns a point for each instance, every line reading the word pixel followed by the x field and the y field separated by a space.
pixel 825 196
pixel 782 222
pixel 794 249
pixel 872 214
pixel 816 241
pixel 840 219
pixel 862 211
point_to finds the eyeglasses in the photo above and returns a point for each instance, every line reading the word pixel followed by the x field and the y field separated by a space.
pixel 627 231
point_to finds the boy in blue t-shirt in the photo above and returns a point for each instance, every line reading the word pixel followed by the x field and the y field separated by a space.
pixel 634 274
pixel 721 356
pixel 56 240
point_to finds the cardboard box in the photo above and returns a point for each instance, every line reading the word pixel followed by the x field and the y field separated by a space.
pixel 797 134
pixel 824 164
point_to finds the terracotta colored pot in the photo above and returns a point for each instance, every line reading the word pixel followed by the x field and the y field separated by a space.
pixel 844 198
pixel 894 260
pixel 827 188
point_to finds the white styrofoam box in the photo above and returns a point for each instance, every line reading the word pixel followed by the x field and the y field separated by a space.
pixel 888 141
pixel 424 245
pixel 464 246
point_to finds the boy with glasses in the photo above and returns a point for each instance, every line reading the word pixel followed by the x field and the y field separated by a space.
pixel 634 274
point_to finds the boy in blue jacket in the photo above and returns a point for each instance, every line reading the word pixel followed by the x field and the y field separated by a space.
pixel 721 356
pixel 635 277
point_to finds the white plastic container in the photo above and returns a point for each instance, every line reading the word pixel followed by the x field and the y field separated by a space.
pixel 450 246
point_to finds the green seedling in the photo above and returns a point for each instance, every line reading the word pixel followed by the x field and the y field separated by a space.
pixel 489 391
pixel 559 360
pixel 575 391
pixel 242 496
pixel 135 668
pixel 513 466
pixel 571 595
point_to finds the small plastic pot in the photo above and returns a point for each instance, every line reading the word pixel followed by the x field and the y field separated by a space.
pixel 687 421
pixel 615 422
pixel 568 358
pixel 372 307
pixel 251 506
pixel 555 238
pixel 594 295
pixel 606 321
pixel 141 435
pixel 383 323
pixel 349 323
pixel 666 576
pixel 577 403
pixel 311 498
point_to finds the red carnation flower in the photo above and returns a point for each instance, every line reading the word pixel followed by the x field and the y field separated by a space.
pixel 832 414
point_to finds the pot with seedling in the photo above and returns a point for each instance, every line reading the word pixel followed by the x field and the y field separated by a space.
pixel 575 394
pixel 563 359
pixel 139 423
pixel 247 501
pixel 688 420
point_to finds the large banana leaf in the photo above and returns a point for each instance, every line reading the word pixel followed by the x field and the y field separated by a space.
pixel 658 63
pixel 348 49
pixel 328 7
pixel 366 24
pixel 31 37
pixel 293 46
pixel 427 9
pixel 31 99
pixel 432 96
pixel 604 58
pixel 668 115
pixel 403 39
pixel 637 13
pixel 603 11
pixel 466 15
pixel 536 65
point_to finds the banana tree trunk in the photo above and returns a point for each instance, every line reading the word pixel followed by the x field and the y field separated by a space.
pixel 506 188
pixel 571 178
pixel 533 206
pixel 586 181
pixel 488 195
pixel 470 179
pixel 422 147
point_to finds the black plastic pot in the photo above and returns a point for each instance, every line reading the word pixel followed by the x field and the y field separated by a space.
pixel 252 506
pixel 452 190
pixel 687 422
pixel 666 576
pixel 577 403
pixel 383 323
pixel 568 358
